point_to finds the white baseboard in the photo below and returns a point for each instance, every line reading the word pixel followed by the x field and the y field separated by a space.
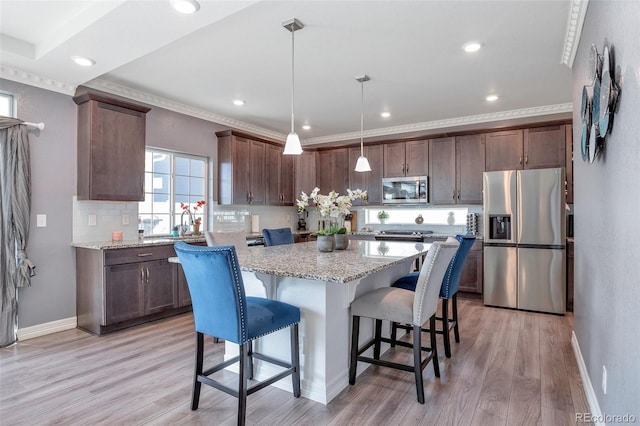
pixel 594 407
pixel 27 333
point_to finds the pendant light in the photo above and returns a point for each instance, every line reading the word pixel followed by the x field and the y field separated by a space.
pixel 292 145
pixel 362 165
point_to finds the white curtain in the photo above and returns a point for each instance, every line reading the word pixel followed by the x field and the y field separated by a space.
pixel 15 210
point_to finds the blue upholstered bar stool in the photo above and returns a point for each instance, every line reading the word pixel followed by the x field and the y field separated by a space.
pixel 406 307
pixel 448 291
pixel 221 308
pixel 277 237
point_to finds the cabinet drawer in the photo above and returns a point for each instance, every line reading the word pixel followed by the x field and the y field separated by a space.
pixel 137 254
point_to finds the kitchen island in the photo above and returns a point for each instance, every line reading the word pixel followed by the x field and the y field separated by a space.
pixel 322 285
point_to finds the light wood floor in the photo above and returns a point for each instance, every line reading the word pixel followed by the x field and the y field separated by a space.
pixel 510 368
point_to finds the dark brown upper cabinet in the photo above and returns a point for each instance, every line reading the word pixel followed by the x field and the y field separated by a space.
pixel 241 169
pixel 111 147
pixel 278 176
pixel 406 158
pixel 332 170
pixel 305 172
pixel 533 148
pixel 456 167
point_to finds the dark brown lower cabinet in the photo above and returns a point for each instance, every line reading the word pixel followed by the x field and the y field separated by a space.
pixel 570 276
pixel 472 271
pixel 118 288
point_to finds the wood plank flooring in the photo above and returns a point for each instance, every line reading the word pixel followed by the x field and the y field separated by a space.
pixel 510 368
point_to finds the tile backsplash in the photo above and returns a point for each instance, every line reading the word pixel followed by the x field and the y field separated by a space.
pixel 96 220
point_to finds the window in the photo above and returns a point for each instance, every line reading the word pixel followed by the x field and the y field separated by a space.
pixel 171 178
pixel 7 104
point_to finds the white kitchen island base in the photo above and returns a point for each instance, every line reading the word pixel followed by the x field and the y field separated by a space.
pixel 325 328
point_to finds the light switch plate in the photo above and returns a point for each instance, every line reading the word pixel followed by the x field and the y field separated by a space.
pixel 41 221
pixel 92 220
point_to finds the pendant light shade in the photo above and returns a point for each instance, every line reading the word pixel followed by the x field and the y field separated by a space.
pixel 292 145
pixel 362 165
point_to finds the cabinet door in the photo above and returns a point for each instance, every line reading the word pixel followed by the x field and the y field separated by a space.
pixel 504 150
pixel 160 286
pixel 273 162
pixel 471 276
pixel 124 292
pixel 442 181
pixel 288 197
pixel 305 173
pixel 469 169
pixel 332 170
pixel 569 162
pixel 394 164
pixel 116 163
pixel 544 147
pixel 417 158
pixel 184 297
pixel 257 194
pixel 241 183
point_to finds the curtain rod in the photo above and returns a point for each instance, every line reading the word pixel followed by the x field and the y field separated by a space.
pixel 30 124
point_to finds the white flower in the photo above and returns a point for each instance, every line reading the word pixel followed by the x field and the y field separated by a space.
pixel 333 204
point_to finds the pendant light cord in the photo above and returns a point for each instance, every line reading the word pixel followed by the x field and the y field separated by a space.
pixel 361 117
pixel 293 75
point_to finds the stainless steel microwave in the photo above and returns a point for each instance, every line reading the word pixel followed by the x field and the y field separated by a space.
pixel 405 190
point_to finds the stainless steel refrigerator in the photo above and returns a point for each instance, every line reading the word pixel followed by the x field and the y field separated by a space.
pixel 524 244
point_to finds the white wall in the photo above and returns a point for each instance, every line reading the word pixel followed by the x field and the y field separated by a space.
pixel 607 229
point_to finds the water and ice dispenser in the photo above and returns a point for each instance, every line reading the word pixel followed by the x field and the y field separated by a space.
pixel 500 227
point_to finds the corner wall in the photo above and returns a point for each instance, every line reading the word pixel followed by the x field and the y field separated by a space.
pixel 607 230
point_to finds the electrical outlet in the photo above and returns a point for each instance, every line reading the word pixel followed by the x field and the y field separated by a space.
pixel 41 221
pixel 604 379
pixel 92 220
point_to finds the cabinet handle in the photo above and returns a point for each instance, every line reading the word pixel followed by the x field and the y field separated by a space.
pixel 147 275
pixel 145 254
pixel 406 168
pixel 526 159
pixel 520 160
pixel 142 275
pixel 248 197
pixel 454 194
pixel 458 195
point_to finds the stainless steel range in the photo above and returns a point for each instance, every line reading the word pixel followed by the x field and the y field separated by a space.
pixel 421 236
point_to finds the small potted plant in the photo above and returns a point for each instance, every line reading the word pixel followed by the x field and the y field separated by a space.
pixel 175 231
pixel 342 239
pixel 383 216
pixel 326 240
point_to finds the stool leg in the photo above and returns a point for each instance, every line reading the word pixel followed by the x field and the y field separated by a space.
pixel 394 333
pixel 243 383
pixel 445 327
pixel 355 330
pixel 250 360
pixel 434 347
pixel 454 308
pixel 195 398
pixel 295 360
pixel 378 335
pixel 417 363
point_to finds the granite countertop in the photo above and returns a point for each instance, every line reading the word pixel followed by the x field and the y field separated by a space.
pixel 150 241
pixel 303 260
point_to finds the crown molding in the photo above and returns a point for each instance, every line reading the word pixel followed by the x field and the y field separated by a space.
pixel 36 80
pixel 159 101
pixel 575 21
pixel 446 123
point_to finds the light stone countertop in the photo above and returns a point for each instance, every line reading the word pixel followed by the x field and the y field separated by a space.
pixel 151 241
pixel 303 260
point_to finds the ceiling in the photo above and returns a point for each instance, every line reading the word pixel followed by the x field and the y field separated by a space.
pixel 411 50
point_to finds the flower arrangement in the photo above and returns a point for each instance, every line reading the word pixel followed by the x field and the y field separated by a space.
pixel 199 204
pixel 333 204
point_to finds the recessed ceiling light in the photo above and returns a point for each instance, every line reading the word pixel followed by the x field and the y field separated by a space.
pixel 306 127
pixel 385 114
pixel 83 61
pixel 492 98
pixel 238 102
pixel 472 46
pixel 185 6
